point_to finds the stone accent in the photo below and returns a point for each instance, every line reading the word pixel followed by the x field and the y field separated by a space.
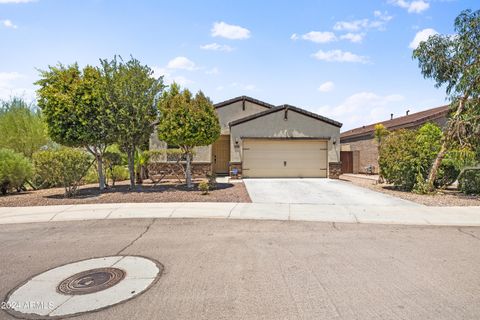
pixel 199 170
pixel 334 170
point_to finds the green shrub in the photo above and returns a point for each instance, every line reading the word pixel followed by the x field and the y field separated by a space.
pixel 469 181
pixel 118 173
pixel 204 187
pixel 406 156
pixel 65 167
pixel 212 180
pixel 14 170
pixel 447 174
pixel 397 159
pixel 91 176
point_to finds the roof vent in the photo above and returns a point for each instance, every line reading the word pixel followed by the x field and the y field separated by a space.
pixel 391 116
pixel 406 113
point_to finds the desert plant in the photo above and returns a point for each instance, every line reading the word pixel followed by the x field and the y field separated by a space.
pixel 21 127
pixel 14 170
pixel 204 187
pixel 118 173
pixel 212 180
pixel 469 181
pixel 397 159
pixel 65 167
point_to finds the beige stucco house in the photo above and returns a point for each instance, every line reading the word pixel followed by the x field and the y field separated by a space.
pixel 262 140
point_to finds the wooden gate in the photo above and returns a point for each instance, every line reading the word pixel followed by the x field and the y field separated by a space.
pixel 346 157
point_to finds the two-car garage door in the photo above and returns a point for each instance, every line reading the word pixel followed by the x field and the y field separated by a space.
pixel 283 158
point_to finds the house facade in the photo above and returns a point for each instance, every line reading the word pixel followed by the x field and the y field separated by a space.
pixel 359 150
pixel 262 140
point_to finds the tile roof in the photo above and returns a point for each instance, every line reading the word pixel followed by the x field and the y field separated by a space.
pixel 241 98
pixel 289 107
pixel 407 121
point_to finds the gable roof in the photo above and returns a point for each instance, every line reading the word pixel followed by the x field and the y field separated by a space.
pixel 287 107
pixel 243 98
pixel 412 120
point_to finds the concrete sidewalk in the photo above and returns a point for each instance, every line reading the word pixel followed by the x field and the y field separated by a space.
pixel 421 215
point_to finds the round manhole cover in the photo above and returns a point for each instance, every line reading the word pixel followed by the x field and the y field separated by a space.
pixel 91 281
pixel 83 286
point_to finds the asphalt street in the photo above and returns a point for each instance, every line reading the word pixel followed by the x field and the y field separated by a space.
pixel 245 269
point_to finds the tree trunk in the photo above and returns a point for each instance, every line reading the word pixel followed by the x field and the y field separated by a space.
pixel 188 171
pixel 131 167
pixel 443 150
pixel 101 175
pixel 436 164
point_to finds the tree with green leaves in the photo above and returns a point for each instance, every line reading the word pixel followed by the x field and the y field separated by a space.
pixel 73 104
pixel 21 127
pixel 132 93
pixel 187 122
pixel 379 134
pixel 453 61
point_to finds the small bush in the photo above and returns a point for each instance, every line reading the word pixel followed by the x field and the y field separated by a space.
pixel 469 181
pixel 204 187
pixel 212 180
pixel 398 161
pixel 91 176
pixel 65 167
pixel 447 174
pixel 118 173
pixel 14 170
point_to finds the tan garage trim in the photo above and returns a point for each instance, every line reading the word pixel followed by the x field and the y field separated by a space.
pixel 284 158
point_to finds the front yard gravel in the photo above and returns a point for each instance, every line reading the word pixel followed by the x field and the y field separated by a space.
pixel 165 192
pixel 444 198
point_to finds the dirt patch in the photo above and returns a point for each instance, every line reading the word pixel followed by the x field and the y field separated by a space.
pixel 168 191
pixel 443 198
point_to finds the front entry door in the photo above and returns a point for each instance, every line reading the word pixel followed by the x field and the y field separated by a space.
pixel 221 154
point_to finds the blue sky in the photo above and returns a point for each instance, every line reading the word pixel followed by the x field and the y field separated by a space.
pixel 348 60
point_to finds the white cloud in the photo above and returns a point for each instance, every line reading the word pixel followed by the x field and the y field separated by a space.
pixel 181 63
pixel 339 56
pixel 216 47
pixel 363 108
pixel 6 78
pixel 416 6
pixel 9 24
pixel 229 31
pixel 12 84
pixel 294 36
pixel 16 1
pixel 319 36
pixel 213 71
pixel 354 25
pixel 378 23
pixel 326 86
pixel 420 36
pixel 353 37
pixel 169 78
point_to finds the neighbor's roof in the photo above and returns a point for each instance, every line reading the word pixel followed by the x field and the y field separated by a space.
pixel 412 120
pixel 242 98
pixel 288 107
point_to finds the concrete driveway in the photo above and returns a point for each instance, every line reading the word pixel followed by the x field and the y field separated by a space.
pixel 318 191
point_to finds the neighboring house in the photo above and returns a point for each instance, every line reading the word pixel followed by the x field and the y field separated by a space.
pixel 358 147
pixel 262 140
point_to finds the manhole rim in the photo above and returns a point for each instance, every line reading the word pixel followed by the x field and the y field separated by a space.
pixel 60 287
pixel 33 316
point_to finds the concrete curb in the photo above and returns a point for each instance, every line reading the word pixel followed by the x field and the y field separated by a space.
pixel 421 215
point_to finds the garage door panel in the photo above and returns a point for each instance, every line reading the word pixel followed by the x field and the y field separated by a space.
pixel 284 158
